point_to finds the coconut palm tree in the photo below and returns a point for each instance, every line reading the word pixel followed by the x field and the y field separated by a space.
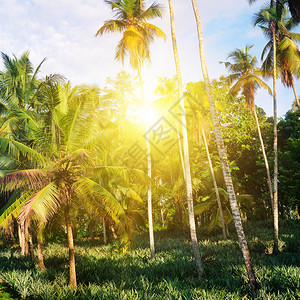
pixel 244 76
pixel 275 24
pixel 187 168
pixel 131 18
pixel 294 6
pixel 65 154
pixel 287 53
pixel 18 87
pixel 19 119
pixel 223 156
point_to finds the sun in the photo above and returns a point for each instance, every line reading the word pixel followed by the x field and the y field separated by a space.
pixel 146 115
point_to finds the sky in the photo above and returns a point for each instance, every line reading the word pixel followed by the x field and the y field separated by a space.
pixel 64 31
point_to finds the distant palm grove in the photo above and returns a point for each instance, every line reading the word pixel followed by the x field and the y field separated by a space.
pixel 194 196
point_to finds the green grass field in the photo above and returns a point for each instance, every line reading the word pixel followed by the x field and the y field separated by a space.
pixel 104 274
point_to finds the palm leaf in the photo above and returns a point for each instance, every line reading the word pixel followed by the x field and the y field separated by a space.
pixel 43 205
pixel 16 148
pixel 89 189
pixel 13 208
pixel 31 178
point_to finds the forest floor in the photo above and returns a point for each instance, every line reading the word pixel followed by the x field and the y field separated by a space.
pixel 103 272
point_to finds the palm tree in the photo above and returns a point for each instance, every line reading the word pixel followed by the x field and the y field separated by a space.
pixel 294 6
pixel 287 53
pixel 131 19
pixel 275 25
pixel 223 156
pixel 19 118
pixel 18 88
pixel 244 77
pixel 64 154
pixel 187 168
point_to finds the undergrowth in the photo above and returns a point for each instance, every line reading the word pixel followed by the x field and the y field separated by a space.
pixel 103 273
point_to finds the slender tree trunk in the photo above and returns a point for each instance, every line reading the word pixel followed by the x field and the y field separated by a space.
pixel 31 248
pixel 104 231
pixel 295 93
pixel 150 219
pixel 40 254
pixel 180 153
pixel 223 157
pixel 26 235
pixel 21 238
pixel 72 269
pixel 275 195
pixel 114 232
pixel 215 186
pixel 161 206
pixel 149 194
pixel 187 170
pixel 265 157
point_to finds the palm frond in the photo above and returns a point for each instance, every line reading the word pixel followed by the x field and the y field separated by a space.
pixel 31 178
pixel 43 205
pixel 13 208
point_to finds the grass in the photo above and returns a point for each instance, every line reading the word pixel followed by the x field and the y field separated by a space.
pixel 103 274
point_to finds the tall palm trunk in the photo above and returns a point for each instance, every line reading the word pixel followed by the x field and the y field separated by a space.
pixel 187 169
pixel 295 93
pixel 72 269
pixel 275 195
pixel 223 157
pixel 149 193
pixel 265 157
pixel 215 186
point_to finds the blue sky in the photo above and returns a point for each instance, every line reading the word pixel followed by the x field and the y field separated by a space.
pixel 64 32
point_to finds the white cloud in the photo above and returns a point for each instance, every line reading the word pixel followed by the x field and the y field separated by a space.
pixel 63 31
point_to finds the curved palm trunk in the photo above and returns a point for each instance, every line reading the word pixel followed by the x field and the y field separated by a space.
pixel 275 195
pixel 295 93
pixel 187 169
pixel 223 157
pixel 215 186
pixel 265 157
pixel 72 269
pixel 149 193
